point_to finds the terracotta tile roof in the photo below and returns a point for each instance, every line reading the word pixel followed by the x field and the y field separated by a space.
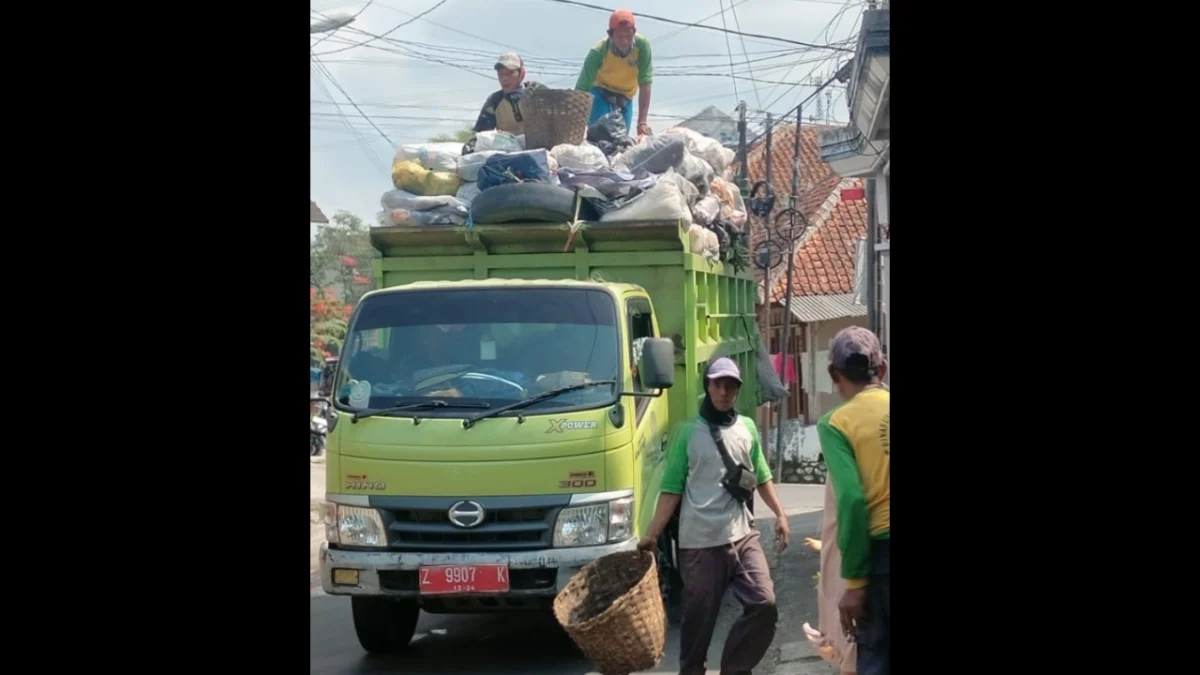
pixel 783 143
pixel 314 213
pixel 825 254
pixel 825 258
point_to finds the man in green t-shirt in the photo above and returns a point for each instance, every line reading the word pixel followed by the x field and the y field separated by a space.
pixel 615 69
pixel 718 545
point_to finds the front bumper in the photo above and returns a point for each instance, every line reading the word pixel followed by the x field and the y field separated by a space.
pixel 535 576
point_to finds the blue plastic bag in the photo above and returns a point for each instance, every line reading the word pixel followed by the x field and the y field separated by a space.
pixel 515 167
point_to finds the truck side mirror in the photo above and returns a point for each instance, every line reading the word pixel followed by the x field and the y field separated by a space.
pixel 657 368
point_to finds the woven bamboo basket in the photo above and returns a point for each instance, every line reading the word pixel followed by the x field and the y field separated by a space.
pixel 555 116
pixel 613 610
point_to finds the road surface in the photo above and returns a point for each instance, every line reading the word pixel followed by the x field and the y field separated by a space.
pixel 515 644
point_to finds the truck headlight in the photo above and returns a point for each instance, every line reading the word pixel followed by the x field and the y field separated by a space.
pixel 594 524
pixel 354 526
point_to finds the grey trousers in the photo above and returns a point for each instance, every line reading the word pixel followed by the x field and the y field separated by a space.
pixel 707 572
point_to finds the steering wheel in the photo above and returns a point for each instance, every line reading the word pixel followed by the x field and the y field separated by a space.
pixel 484 378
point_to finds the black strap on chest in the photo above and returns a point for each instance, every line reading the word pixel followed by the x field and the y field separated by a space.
pixel 733 471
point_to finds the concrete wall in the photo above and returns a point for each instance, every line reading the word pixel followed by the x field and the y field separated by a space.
pixel 801 453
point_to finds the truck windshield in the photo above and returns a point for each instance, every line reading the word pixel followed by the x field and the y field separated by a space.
pixel 496 346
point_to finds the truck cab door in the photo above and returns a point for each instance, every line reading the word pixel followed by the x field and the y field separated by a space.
pixel 649 414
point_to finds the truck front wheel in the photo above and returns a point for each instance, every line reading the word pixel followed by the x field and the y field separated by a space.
pixel 383 625
pixel 670 581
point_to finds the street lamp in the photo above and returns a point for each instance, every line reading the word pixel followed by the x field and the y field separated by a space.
pixel 330 22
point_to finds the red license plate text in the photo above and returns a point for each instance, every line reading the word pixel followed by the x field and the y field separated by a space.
pixel 463 579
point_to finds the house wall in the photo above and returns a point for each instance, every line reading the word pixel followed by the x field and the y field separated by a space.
pixel 814 360
pixel 772 334
pixel 801 448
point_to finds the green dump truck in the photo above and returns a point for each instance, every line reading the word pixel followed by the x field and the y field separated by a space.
pixel 501 411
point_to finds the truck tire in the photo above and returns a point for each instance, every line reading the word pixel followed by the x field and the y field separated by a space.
pixel 527 202
pixel 670 579
pixel 383 625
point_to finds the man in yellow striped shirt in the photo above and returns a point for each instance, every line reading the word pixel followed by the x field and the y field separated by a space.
pixel 856 442
pixel 615 69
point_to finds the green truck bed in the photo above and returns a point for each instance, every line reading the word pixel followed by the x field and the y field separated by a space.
pixel 705 307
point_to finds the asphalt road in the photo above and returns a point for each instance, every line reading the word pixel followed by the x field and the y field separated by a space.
pixel 517 644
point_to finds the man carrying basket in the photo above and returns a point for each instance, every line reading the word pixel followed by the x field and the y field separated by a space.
pixel 715 465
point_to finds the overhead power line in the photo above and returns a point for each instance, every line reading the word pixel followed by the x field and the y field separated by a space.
pixel 745 53
pixel 329 75
pixel 330 33
pixel 696 25
pixel 392 30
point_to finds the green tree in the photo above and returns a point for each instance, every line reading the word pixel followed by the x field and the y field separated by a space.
pixel 458 137
pixel 341 258
pixel 326 325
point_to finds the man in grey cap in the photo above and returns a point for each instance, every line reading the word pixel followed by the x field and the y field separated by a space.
pixel 856 439
pixel 502 110
pixel 715 465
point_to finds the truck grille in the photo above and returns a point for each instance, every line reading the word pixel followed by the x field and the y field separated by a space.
pixel 503 529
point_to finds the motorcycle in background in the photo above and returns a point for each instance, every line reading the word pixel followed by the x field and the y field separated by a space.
pixel 318 423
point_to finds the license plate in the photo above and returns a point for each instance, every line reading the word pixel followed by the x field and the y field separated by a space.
pixel 463 579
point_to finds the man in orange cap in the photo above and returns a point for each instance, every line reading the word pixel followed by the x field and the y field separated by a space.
pixel 615 69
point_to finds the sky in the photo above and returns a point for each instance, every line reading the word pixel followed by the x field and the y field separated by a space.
pixel 432 75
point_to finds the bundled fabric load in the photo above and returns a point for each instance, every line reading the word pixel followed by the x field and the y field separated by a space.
pixel 708 149
pixel 733 207
pixel 655 154
pixel 500 141
pixel 468 192
pixel 704 241
pixel 411 177
pixel 675 176
pixel 666 200
pixel 469 165
pixel 607 189
pixel 585 156
pixel 432 156
pixel 516 167
pixel 405 208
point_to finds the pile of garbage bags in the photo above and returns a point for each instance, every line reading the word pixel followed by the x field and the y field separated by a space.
pixel 679 175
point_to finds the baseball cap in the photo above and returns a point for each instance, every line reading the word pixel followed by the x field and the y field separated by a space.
pixel 855 341
pixel 509 60
pixel 619 17
pixel 723 367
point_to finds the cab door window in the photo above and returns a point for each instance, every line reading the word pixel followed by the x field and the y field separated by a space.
pixel 641 327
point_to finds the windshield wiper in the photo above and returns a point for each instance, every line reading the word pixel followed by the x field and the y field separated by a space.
pixel 436 403
pixel 470 421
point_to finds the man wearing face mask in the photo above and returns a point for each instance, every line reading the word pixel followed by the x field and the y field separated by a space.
pixel 856 441
pixel 502 110
pixel 718 545
pixel 617 68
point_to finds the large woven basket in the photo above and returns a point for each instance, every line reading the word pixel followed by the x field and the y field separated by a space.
pixel 555 116
pixel 613 610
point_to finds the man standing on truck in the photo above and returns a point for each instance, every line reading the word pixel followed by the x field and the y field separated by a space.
pixel 718 545
pixel 615 69
pixel 855 439
pixel 502 110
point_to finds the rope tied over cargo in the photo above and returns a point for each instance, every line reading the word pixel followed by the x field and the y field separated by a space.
pixel 575 225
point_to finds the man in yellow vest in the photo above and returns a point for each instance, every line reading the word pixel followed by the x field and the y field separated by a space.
pixel 856 439
pixel 615 69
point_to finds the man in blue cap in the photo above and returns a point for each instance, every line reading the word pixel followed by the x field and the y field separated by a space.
pixel 715 465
